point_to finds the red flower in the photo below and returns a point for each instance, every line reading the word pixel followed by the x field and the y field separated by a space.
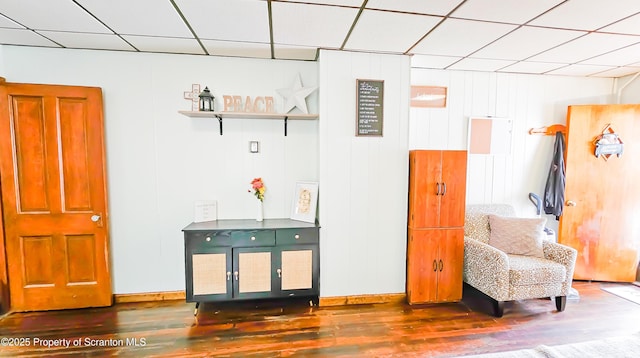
pixel 258 188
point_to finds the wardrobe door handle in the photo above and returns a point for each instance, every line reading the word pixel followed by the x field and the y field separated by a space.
pixel 444 191
pixel 435 266
pixel 441 265
pixel 437 188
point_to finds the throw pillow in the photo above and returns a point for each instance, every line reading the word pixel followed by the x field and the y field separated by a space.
pixel 518 236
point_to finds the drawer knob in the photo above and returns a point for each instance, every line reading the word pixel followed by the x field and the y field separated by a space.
pixel 253 238
pixel 208 238
pixel 297 236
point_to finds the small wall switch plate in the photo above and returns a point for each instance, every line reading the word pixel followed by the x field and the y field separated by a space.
pixel 254 146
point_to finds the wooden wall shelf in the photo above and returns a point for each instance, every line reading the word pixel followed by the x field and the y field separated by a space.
pixel 248 115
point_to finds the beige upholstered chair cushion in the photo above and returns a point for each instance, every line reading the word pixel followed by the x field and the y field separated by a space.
pixel 517 236
pixel 529 270
pixel 476 219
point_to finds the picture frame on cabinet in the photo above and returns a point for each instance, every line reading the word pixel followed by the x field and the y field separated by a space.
pixel 305 202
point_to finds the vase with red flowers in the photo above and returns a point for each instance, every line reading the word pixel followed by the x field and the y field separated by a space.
pixel 258 188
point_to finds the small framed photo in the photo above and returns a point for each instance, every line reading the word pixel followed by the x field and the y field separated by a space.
pixel 305 202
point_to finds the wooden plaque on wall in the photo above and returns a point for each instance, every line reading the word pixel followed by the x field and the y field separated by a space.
pixel 369 102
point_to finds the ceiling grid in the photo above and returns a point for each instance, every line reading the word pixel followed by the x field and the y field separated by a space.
pixel 564 37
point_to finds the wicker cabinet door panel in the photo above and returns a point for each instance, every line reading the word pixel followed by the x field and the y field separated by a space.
pixel 297 270
pixel 208 274
pixel 253 272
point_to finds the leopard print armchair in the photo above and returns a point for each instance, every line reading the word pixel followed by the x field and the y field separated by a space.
pixel 506 277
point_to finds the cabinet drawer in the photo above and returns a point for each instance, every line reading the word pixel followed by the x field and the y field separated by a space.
pixel 207 239
pixel 296 236
pixel 253 238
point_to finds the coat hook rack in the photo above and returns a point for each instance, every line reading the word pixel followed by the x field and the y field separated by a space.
pixel 549 130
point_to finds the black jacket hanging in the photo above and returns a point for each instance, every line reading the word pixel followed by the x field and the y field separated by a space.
pixel 554 189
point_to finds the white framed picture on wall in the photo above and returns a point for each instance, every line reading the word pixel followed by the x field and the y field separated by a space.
pixel 490 135
pixel 305 202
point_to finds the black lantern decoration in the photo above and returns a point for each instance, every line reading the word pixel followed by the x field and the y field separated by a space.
pixel 206 100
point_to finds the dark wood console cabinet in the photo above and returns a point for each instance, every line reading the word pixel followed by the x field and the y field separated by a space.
pixel 229 260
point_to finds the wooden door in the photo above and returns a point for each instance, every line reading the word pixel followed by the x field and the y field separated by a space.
pixel 54 196
pixel 450 264
pixel 425 173
pixel 602 197
pixel 454 188
pixel 422 265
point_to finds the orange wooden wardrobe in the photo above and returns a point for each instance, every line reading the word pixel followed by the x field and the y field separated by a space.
pixel 435 248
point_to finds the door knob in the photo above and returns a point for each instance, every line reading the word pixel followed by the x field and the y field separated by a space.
pixel 95 218
pixel 571 203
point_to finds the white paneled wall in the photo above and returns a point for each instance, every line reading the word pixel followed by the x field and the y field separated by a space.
pixel 530 101
pixel 160 162
pixel 628 89
pixel 363 180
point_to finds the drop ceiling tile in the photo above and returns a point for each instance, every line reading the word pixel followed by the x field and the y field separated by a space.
pixel 311 25
pixel 630 25
pixel 620 57
pixel 618 72
pixel 6 22
pixel 230 20
pixel 139 17
pixel 88 41
pixel 460 37
pixel 514 12
pixel 580 70
pixel 165 44
pixel 532 67
pixel 476 64
pixel 54 15
pixel 440 7
pixel 289 52
pixel 537 39
pixel 237 49
pixel 585 47
pixel 389 31
pixel 354 3
pixel 24 37
pixel 427 61
pixel 587 14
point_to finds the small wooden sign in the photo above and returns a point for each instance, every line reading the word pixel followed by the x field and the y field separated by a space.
pixel 369 102
pixel 428 96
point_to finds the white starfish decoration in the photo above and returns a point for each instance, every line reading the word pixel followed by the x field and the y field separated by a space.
pixel 296 96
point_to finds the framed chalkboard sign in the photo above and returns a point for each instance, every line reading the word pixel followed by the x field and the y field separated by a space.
pixel 369 102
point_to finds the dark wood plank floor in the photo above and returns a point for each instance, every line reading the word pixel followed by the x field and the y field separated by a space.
pixel 267 329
